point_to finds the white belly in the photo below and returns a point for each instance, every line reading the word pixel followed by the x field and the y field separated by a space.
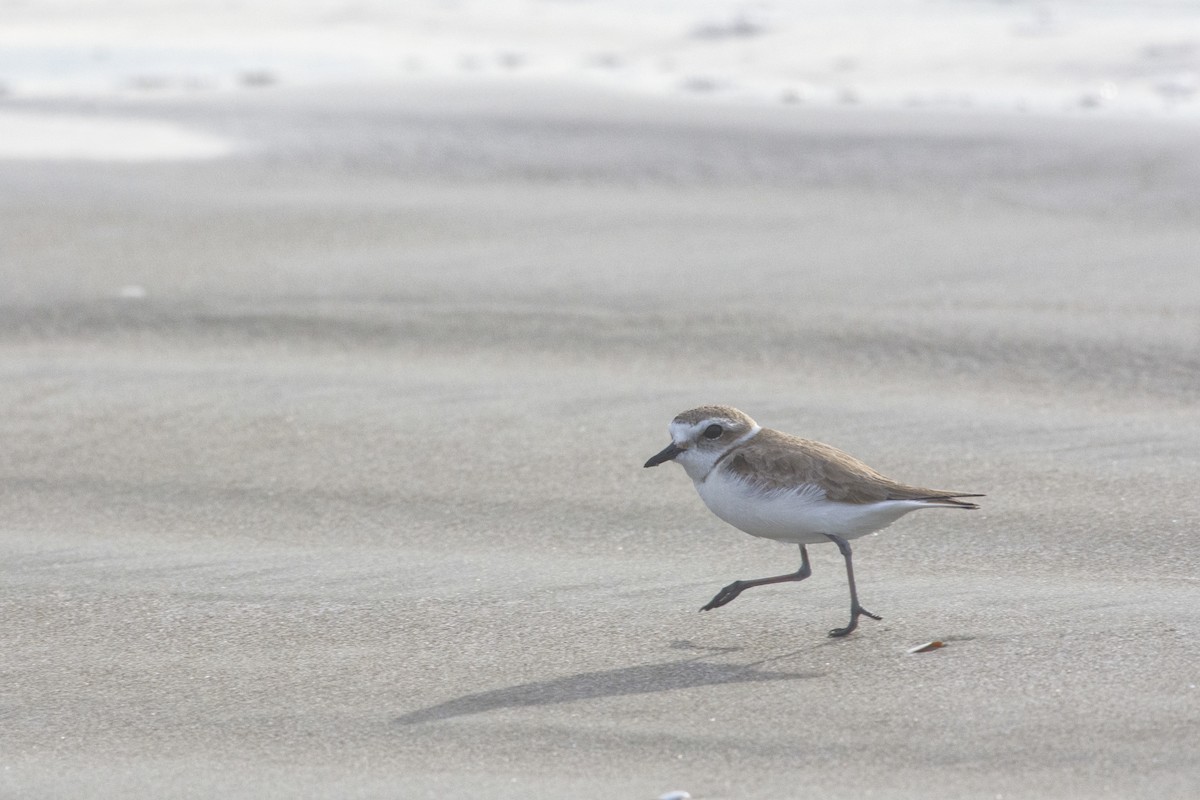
pixel 800 515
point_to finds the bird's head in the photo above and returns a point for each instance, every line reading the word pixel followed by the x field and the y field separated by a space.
pixel 700 436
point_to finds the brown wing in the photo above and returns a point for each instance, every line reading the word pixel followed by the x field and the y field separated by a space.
pixel 774 460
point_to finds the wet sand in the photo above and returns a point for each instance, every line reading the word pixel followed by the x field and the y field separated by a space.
pixel 322 463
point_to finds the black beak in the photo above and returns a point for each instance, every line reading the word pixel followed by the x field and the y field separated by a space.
pixel 664 455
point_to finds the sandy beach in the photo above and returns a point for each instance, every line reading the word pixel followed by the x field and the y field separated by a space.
pixel 322 461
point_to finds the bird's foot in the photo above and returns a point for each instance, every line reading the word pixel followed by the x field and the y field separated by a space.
pixel 726 595
pixel 855 613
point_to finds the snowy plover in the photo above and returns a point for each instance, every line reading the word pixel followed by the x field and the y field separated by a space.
pixel 781 487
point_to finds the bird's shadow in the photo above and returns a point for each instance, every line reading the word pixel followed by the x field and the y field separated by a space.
pixel 687 673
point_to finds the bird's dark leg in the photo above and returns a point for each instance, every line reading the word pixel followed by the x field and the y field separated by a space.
pixel 731 591
pixel 855 609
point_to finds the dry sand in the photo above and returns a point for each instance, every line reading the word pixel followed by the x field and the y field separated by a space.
pixel 350 503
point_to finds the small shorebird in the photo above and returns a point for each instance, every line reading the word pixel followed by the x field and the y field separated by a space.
pixel 781 487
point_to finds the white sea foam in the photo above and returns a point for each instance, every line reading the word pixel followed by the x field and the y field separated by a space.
pixel 1069 56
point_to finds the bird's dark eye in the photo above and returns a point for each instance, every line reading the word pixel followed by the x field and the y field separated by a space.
pixel 713 432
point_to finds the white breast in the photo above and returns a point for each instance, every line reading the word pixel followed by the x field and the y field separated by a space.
pixel 800 515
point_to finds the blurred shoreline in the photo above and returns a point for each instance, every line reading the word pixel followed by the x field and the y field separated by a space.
pixel 1123 61
pixel 1117 59
pixel 150 127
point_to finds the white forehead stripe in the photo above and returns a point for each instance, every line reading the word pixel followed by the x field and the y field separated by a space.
pixel 680 431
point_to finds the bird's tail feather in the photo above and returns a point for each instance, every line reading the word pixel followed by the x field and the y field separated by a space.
pixel 950 500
